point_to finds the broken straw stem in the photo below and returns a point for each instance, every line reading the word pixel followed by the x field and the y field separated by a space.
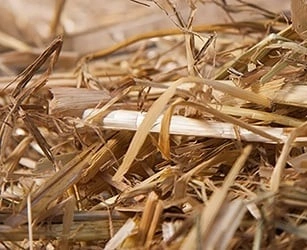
pixel 180 125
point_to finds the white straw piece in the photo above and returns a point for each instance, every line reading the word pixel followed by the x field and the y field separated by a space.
pixel 180 125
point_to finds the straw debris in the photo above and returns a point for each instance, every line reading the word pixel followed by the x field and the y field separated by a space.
pixel 188 136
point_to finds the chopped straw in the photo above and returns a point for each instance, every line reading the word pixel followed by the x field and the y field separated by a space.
pixel 173 134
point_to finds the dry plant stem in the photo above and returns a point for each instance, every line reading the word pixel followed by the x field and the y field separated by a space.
pixel 139 2
pixel 121 235
pixel 233 91
pixel 59 7
pixel 214 204
pixel 141 134
pixel 275 92
pixel 260 115
pixel 279 66
pixel 154 223
pixel 281 162
pixel 193 172
pixel 68 218
pixel 98 114
pixel 55 186
pixel 13 159
pixel 40 139
pixel 149 219
pixel 13 43
pixel 28 73
pixel 22 59
pixel 72 101
pixel 234 121
pixel 90 229
pixel 249 54
pixel 189 45
pixel 163 142
pixel 297 231
pixel 55 80
pixel 20 93
pixel 189 53
pixel 229 217
pixel 165 125
pixel 161 33
pixel 181 125
pixel 225 88
pixel 149 183
pixel 29 212
pixel 106 153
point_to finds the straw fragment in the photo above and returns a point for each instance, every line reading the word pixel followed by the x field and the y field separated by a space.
pixel 180 125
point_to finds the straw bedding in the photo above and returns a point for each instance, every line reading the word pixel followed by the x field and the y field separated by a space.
pixel 188 137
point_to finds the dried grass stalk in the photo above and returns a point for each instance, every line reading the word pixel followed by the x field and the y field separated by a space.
pixel 180 125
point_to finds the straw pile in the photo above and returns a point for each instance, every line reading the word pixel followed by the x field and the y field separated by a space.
pixel 185 138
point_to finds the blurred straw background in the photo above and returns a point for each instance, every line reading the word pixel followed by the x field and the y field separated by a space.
pixel 105 22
